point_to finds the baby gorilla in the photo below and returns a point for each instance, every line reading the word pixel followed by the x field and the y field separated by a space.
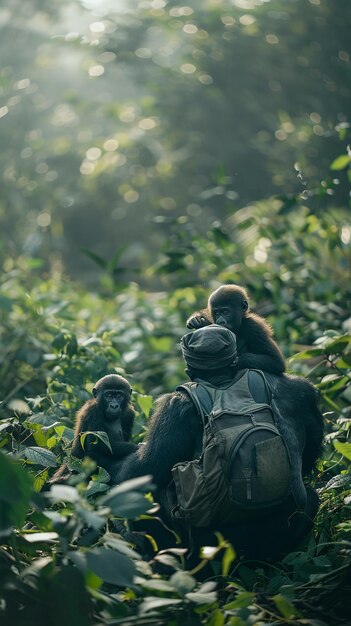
pixel 228 306
pixel 110 411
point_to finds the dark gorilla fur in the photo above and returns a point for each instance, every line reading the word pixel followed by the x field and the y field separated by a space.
pixel 228 306
pixel 110 410
pixel 175 434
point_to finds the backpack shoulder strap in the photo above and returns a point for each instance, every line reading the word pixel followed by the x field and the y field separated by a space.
pixel 266 384
pixel 200 397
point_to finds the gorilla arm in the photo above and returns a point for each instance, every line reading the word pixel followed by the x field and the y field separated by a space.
pixel 199 320
pixel 172 436
pixel 309 419
pixel 300 422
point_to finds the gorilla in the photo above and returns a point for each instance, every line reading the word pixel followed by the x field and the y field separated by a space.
pixel 228 306
pixel 176 435
pixel 110 411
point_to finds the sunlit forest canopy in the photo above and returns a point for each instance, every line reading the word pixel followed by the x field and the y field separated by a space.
pixel 152 150
pixel 119 119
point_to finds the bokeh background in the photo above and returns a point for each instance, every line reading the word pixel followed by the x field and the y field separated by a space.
pixel 125 122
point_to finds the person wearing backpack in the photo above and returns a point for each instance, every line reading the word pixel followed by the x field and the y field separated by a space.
pixel 217 455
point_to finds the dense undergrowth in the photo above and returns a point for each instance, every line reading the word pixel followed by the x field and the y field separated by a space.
pixel 61 559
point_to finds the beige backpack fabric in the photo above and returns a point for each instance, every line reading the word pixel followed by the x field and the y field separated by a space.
pixel 244 467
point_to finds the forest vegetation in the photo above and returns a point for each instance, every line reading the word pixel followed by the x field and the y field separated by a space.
pixel 149 154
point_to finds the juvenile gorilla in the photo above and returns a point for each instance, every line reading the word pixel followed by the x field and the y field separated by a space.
pixel 228 306
pixel 176 434
pixel 110 410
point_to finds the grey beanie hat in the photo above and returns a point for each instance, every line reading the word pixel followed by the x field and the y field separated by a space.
pixel 209 348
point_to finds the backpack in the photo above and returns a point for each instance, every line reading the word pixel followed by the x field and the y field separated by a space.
pixel 244 468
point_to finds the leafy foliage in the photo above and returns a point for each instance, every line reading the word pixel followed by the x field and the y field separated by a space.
pixel 63 558
pixel 162 112
pixel 59 339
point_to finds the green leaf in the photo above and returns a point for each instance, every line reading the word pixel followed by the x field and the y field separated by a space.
pixel 59 341
pixel 94 487
pixel 37 537
pixel 40 480
pixel 42 419
pixel 151 603
pixel 330 378
pixel 52 442
pixel 15 492
pixel 140 484
pixel 4 426
pixel 91 519
pixel 40 456
pixel 337 346
pixel 63 492
pixel 18 406
pixel 113 262
pixel 113 541
pixel 73 463
pixel 145 403
pixel 40 436
pixel 96 258
pixel 99 434
pixel 128 505
pixel 38 567
pixel 157 585
pixel 333 382
pixel 72 345
pixel 111 566
pixel 102 476
pixel 228 558
pixel 342 481
pixel 340 162
pixel 285 607
pixel 217 618
pixel 202 598
pixel 277 582
pixel 128 499
pixel 242 600
pixel 168 559
pixel 343 448
pixel 209 552
pixel 307 354
pixel 68 583
pixel 182 582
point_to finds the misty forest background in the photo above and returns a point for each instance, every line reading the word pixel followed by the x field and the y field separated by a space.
pixel 150 151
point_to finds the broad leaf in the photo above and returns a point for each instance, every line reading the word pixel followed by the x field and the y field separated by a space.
pixel 243 599
pixel 129 505
pixel 63 492
pixel 111 566
pixel 202 598
pixel 182 582
pixel 94 487
pixel 40 456
pixel 285 607
pixel 37 537
pixel 145 403
pixel 91 519
pixel 344 448
pixel 68 599
pixel 99 434
pixel 307 354
pixel 151 603
pixel 15 492
pixel 340 162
